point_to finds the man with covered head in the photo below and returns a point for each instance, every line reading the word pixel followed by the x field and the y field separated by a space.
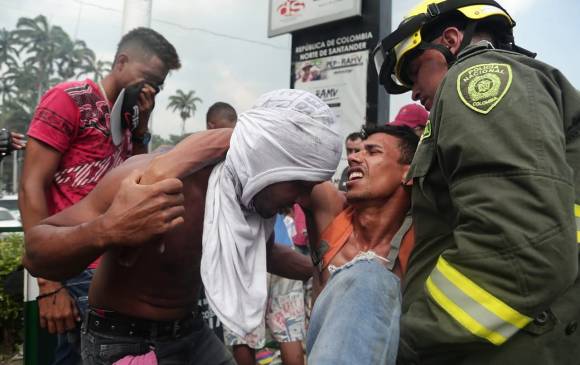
pixel 151 218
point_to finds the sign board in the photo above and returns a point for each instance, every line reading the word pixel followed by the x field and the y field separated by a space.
pixel 335 69
pixel 289 15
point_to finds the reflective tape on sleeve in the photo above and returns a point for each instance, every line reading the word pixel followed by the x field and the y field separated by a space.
pixel 474 308
pixel 577 216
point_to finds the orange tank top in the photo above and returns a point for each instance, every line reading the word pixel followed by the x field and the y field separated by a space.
pixel 337 233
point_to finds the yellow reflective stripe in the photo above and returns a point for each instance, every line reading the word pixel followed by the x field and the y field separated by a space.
pixel 577 214
pixel 477 310
pixel 462 317
pixel 481 296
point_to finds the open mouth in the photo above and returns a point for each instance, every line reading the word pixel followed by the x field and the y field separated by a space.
pixel 355 176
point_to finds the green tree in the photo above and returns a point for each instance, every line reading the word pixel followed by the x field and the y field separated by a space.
pixel 8 49
pixel 185 104
pixel 11 308
pixel 34 57
pixel 75 57
pixel 96 70
pixel 44 48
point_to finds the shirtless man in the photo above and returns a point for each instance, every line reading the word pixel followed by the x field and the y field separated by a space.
pixel 361 243
pixel 146 303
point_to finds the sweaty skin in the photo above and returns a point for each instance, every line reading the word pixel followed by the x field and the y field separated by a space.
pixel 160 286
pixel 134 209
pixel 379 199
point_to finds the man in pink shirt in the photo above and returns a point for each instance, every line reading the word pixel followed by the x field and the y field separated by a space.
pixel 73 143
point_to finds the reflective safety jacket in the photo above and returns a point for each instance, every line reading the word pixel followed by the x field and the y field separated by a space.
pixel 493 278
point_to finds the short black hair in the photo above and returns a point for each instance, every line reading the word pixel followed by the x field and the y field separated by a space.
pixel 151 43
pixel 353 136
pixel 221 109
pixel 408 140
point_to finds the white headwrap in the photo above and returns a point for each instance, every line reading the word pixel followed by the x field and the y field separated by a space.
pixel 288 135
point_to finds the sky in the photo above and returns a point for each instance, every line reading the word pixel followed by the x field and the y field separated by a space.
pixel 227 56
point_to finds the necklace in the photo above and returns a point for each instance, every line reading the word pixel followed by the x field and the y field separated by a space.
pixel 101 87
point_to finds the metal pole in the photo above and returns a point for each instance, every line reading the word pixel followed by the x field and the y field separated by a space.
pixel 136 13
pixel 15 172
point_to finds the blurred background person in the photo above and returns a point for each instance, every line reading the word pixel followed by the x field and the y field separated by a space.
pixel 221 115
pixel 352 144
pixel 413 116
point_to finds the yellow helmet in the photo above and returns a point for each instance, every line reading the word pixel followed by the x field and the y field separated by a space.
pixel 392 52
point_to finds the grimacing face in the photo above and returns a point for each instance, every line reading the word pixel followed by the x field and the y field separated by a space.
pixel 375 172
pixel 278 196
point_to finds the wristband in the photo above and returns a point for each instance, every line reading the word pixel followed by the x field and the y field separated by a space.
pixel 45 295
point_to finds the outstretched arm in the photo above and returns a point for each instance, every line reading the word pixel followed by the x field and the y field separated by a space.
pixel 190 155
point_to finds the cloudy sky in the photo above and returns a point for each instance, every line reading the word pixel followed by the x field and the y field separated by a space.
pixel 227 56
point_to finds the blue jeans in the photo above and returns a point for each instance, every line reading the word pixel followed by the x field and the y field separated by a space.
pixel 67 350
pixel 201 346
pixel 355 320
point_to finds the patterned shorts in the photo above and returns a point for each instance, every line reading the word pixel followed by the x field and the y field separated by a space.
pixel 284 315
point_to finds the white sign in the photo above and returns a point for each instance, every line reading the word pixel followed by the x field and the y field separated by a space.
pixel 341 82
pixel 290 15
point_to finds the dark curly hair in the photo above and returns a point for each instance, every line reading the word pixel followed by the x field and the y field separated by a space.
pixel 408 140
pixel 151 43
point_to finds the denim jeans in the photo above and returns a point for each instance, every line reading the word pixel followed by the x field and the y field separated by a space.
pixel 67 351
pixel 355 319
pixel 201 347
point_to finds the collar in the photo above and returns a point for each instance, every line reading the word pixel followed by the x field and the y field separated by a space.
pixel 474 48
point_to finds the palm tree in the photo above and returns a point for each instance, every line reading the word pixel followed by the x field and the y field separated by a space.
pixel 97 69
pixel 184 104
pixel 72 57
pixel 8 50
pixel 44 47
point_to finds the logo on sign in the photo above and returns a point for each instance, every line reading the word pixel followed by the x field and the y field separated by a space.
pixel 290 7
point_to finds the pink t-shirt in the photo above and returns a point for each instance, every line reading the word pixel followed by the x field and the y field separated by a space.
pixel 74 119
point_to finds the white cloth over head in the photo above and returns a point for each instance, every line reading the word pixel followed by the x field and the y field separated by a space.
pixel 287 135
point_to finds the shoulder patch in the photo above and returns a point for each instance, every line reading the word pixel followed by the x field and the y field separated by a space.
pixel 481 87
pixel 426 131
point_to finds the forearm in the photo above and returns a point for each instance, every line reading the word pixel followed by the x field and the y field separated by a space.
pixel 32 203
pixel 190 155
pixel 58 253
pixel 282 261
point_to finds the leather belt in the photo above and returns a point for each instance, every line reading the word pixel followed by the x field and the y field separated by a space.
pixel 113 323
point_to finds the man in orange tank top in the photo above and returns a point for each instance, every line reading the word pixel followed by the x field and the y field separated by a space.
pixel 361 242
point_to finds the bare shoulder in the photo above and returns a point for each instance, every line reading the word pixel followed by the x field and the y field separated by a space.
pixel 326 203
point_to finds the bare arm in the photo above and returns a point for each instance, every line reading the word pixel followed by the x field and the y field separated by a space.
pixel 283 261
pixel 40 165
pixel 119 212
pixel 325 203
pixel 190 155
pixel 57 312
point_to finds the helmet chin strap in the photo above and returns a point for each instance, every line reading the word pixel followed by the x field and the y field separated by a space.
pixel 468 33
